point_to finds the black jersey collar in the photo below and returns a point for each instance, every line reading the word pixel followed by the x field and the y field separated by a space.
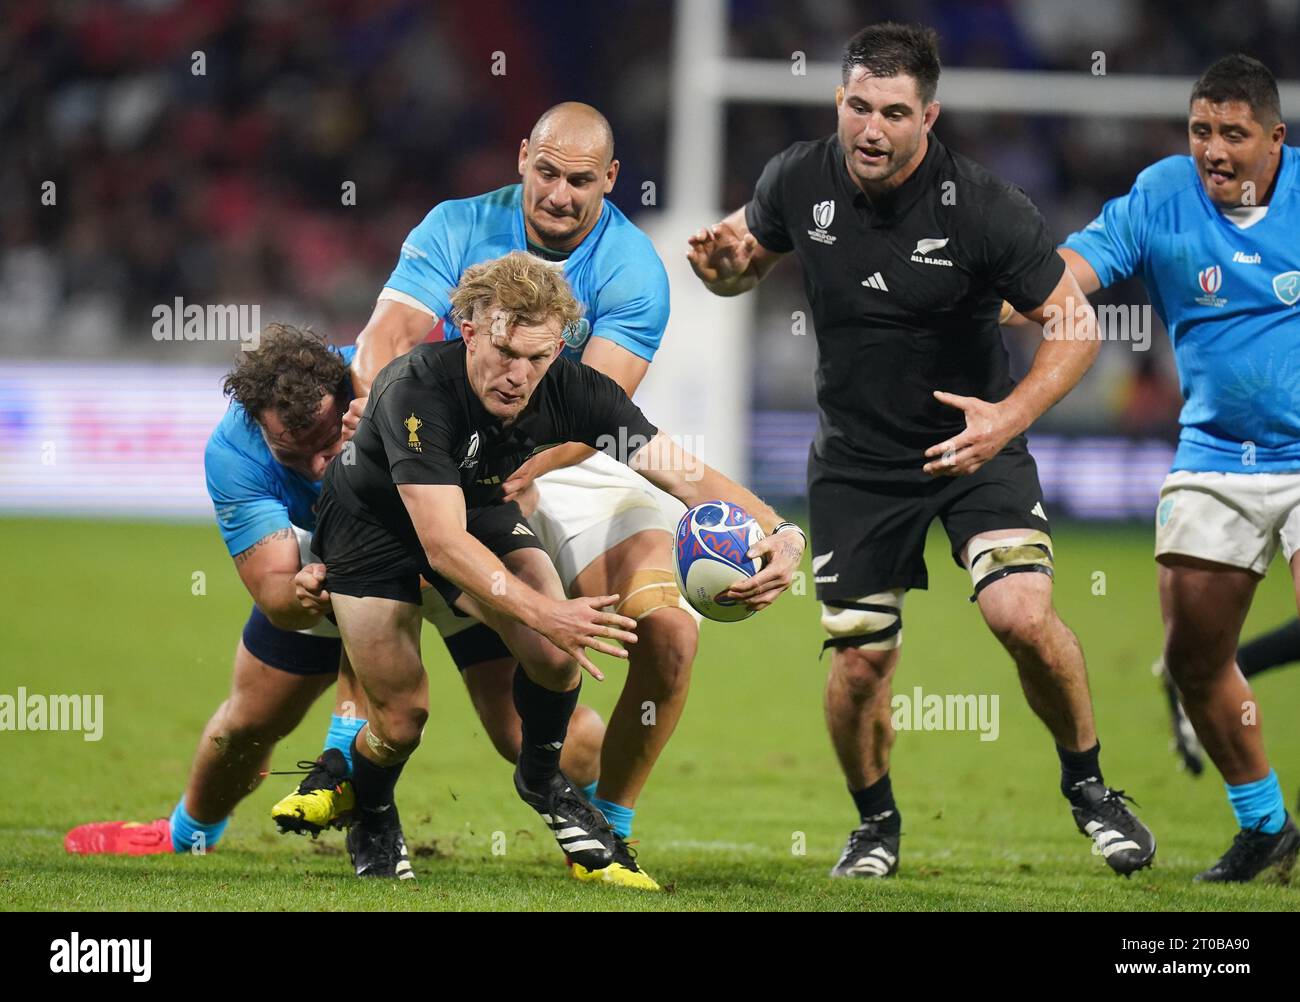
pixel 902 198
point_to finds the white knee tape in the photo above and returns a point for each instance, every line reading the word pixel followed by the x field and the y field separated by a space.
pixel 873 623
pixel 991 560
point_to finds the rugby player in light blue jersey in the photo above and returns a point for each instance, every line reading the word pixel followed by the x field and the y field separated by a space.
pixel 605 532
pixel 1213 236
pixel 264 462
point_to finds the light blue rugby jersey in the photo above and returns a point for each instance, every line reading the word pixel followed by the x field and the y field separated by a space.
pixel 1230 298
pixel 614 273
pixel 254 495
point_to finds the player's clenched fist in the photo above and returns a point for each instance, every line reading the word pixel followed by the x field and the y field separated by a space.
pixel 309 586
pixel 579 623
pixel 353 417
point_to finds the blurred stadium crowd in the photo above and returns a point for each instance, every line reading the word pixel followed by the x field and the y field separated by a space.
pixel 226 186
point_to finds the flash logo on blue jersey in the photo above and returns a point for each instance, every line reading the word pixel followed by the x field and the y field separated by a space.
pixel 575 334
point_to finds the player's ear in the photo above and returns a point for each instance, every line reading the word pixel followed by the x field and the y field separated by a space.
pixel 1279 136
pixel 611 176
pixel 930 115
pixel 523 156
pixel 839 96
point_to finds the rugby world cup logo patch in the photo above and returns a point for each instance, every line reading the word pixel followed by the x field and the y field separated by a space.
pixel 823 214
pixel 1210 280
pixel 1287 287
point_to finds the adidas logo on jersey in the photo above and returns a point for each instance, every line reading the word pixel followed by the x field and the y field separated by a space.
pixel 876 282
pixel 522 530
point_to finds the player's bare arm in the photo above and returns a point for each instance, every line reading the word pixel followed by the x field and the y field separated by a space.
pixel 268 569
pixel 393 329
pixel 620 365
pixel 438 514
pixel 1058 366
pixel 673 470
pixel 728 258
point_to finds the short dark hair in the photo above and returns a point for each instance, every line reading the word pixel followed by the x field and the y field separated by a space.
pixel 889 49
pixel 1238 77
pixel 291 372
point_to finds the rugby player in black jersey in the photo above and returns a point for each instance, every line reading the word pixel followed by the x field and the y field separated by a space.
pixel 908 251
pixel 421 494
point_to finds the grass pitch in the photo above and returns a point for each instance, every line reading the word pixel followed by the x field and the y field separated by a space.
pixel 746 810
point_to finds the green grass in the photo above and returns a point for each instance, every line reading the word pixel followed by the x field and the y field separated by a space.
pixel 107 608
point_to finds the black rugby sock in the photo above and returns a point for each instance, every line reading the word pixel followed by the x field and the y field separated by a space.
pixel 1078 766
pixel 545 716
pixel 1280 647
pixel 876 799
pixel 374 786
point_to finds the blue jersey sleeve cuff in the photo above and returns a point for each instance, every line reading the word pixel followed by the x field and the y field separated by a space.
pixel 1079 243
pixel 435 303
pixel 261 526
pixel 638 348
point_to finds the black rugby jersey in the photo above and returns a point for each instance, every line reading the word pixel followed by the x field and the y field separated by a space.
pixel 423 424
pixel 905 292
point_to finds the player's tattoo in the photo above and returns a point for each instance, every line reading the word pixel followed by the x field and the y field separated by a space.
pixel 787 548
pixel 285 533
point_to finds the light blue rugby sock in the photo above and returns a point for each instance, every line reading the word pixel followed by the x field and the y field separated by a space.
pixel 343 735
pixel 184 829
pixel 1259 801
pixel 617 815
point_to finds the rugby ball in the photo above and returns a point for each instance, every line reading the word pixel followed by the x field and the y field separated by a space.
pixel 712 540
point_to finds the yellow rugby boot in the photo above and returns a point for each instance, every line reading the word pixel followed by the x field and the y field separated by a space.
pixel 324 798
pixel 621 872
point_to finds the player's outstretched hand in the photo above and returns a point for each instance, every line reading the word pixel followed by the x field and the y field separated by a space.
pixel 517 485
pixel 718 253
pixel 353 417
pixel 579 623
pixel 780 554
pixel 309 586
pixel 988 428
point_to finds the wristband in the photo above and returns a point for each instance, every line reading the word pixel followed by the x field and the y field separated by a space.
pixel 782 527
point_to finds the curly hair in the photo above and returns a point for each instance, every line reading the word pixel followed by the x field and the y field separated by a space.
pixel 291 371
pixel 524 288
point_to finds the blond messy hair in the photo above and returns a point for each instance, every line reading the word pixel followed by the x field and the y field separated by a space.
pixel 521 288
